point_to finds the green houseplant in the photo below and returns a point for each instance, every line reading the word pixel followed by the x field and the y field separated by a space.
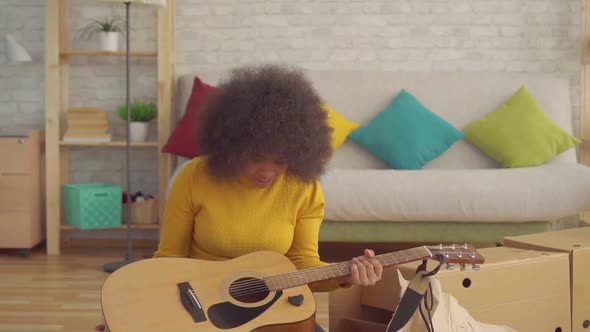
pixel 142 113
pixel 107 29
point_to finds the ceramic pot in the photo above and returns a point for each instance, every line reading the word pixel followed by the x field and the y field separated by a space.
pixel 108 41
pixel 139 131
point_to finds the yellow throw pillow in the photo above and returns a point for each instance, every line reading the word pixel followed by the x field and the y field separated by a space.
pixel 341 126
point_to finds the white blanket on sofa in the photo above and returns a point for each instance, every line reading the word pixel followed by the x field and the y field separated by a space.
pixel 448 315
pixel 493 195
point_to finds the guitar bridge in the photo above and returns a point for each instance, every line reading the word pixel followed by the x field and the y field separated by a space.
pixel 191 302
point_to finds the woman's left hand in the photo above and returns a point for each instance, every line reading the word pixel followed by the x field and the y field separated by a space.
pixel 365 271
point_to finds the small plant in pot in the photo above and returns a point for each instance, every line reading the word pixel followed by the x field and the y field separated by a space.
pixel 142 113
pixel 107 29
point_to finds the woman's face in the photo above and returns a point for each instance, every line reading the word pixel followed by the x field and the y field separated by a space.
pixel 262 173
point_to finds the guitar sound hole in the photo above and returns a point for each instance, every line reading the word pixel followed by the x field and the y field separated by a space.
pixel 248 290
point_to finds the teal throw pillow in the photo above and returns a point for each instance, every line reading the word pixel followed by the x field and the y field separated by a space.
pixel 406 135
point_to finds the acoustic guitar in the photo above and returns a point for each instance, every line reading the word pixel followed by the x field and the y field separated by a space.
pixel 261 292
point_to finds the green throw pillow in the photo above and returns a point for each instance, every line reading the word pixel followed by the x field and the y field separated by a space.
pixel 406 135
pixel 519 133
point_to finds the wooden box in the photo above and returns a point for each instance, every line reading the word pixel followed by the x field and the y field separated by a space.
pixel 22 205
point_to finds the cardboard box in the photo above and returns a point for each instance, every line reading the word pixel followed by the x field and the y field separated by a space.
pixel 525 289
pixel 575 242
pixel 348 314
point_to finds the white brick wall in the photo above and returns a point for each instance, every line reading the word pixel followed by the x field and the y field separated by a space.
pixel 425 35
pixel 100 82
pixel 94 82
pixel 21 86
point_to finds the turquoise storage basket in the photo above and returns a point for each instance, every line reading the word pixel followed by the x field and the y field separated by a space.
pixel 93 205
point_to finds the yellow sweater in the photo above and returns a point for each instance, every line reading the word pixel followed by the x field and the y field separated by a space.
pixel 210 220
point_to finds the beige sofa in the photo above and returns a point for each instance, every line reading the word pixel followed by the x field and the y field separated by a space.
pixel 463 195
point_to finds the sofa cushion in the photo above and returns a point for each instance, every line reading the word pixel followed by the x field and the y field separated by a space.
pixel 519 133
pixel 341 126
pixel 183 140
pixel 542 193
pixel 406 134
pixel 459 98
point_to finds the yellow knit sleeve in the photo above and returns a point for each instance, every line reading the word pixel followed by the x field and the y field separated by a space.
pixel 304 249
pixel 179 215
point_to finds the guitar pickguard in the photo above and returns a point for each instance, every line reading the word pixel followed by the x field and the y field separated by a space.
pixel 226 315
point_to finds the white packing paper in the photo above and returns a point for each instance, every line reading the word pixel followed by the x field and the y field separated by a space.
pixel 447 314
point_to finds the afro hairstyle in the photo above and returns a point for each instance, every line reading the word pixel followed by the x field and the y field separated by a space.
pixel 265 111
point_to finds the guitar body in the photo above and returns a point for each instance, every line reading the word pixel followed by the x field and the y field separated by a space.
pixel 182 294
pixel 261 292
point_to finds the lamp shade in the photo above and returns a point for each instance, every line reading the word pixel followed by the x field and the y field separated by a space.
pixel 158 3
pixel 14 51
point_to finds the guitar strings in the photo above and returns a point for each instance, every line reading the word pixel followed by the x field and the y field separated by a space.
pixel 250 287
pixel 343 265
pixel 245 285
pixel 244 290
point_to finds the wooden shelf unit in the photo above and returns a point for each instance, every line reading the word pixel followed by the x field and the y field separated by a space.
pixel 124 226
pixel 57 67
pixel 106 53
pixel 110 144
pixel 584 149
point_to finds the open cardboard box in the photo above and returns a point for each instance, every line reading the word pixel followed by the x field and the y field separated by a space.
pixel 576 243
pixel 525 289
pixel 348 313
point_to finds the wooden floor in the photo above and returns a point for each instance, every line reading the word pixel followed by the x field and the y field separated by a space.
pixel 62 293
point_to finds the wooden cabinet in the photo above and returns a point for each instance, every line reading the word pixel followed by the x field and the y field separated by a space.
pixel 22 191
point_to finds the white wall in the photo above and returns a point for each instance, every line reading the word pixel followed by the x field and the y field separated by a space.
pixel 425 35
pixel 94 82
pixel 101 82
pixel 21 87
pixel 404 35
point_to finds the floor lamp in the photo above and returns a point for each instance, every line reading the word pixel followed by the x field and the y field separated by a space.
pixel 113 266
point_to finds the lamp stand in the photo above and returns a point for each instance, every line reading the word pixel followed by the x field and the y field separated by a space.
pixel 113 266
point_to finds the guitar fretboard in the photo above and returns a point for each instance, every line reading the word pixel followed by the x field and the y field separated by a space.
pixel 337 270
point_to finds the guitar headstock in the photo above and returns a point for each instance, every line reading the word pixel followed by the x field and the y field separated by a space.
pixel 462 254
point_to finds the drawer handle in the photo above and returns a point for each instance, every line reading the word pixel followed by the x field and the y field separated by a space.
pixel 101 195
pixel 13 174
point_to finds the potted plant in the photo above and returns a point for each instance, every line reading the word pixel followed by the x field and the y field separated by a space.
pixel 142 112
pixel 108 31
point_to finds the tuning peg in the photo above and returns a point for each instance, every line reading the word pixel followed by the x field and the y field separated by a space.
pixel 465 246
pixel 476 267
pixel 450 266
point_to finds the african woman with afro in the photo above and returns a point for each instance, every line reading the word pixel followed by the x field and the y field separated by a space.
pixel 264 141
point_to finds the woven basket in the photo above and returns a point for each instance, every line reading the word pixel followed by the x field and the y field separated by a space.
pixel 145 212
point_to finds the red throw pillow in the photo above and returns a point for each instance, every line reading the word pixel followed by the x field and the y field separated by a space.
pixel 183 140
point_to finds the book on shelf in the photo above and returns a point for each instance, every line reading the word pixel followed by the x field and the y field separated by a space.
pixel 88 131
pixel 87 125
pixel 88 139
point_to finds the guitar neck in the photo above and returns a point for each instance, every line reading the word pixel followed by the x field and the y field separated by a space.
pixel 337 270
